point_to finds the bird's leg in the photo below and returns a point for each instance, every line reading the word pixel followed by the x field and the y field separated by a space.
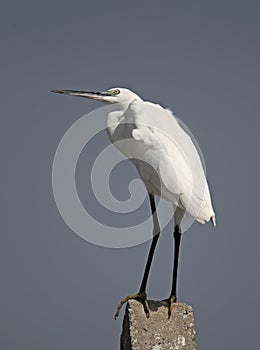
pixel 141 295
pixel 177 240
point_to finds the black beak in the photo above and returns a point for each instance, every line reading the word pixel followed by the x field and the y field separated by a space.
pixel 98 95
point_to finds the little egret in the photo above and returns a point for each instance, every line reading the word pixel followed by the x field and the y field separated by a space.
pixel 154 137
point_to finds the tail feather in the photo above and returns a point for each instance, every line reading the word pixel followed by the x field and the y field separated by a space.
pixel 213 220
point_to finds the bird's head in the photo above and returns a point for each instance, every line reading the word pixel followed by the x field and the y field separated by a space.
pixel 114 95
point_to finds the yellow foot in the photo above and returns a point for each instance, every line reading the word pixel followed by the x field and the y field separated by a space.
pixel 171 301
pixel 140 297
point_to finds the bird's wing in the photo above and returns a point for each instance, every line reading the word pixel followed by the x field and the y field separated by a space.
pixel 172 153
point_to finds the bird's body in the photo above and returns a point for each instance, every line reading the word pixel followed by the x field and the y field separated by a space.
pixel 164 155
pixel 167 161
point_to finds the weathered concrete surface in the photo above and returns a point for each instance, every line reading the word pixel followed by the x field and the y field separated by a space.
pixel 158 332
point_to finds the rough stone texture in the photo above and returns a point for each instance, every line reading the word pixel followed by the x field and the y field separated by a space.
pixel 158 332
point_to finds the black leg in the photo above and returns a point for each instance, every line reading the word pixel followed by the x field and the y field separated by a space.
pixel 141 295
pixel 177 241
pixel 156 230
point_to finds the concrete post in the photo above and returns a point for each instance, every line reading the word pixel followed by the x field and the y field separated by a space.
pixel 158 332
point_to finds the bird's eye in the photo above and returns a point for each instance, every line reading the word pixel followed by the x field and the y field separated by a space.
pixel 116 92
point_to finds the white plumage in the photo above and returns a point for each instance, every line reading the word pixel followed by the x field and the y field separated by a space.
pixel 164 154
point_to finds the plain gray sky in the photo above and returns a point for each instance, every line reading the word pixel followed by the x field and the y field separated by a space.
pixel 200 58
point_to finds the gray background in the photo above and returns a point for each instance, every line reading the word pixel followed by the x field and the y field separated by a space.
pixel 200 57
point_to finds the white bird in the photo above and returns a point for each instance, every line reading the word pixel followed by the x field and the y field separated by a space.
pixel 167 161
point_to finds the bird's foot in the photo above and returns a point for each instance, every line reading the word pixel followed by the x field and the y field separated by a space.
pixel 172 299
pixel 141 296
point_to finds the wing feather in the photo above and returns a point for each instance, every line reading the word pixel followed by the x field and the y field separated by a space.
pixel 172 153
